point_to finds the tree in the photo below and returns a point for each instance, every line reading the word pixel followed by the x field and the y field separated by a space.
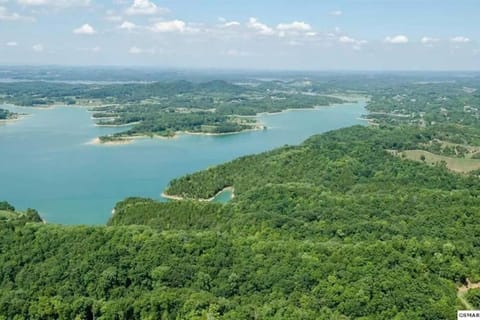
pixel 32 215
pixel 4 205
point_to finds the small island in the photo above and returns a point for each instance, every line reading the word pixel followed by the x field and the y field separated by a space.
pixel 6 115
pixel 170 125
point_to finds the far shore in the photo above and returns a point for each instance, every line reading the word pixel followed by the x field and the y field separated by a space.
pixel 173 197
pixel 266 113
pixel 333 105
pixel 56 105
pixel 35 107
pixel 48 106
pixel 113 125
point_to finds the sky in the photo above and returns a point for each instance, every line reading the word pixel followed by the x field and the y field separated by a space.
pixel 243 34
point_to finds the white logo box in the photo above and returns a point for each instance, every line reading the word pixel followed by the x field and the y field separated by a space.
pixel 468 315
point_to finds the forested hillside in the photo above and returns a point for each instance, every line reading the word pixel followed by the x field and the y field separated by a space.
pixel 335 228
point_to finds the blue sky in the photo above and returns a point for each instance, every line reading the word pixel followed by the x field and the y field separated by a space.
pixel 247 34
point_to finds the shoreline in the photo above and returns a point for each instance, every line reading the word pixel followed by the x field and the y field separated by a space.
pixel 126 140
pixel 178 198
pixel 19 117
pixel 9 120
pixel 55 105
pixel 370 122
pixel 260 127
pixel 98 142
pixel 130 139
pixel 334 105
pixel 114 125
pixel 266 113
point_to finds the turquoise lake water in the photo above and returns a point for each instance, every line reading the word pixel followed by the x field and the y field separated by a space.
pixel 46 163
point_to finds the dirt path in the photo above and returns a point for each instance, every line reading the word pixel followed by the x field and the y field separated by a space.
pixel 462 291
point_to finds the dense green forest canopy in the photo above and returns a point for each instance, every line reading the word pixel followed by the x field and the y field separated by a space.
pixel 343 226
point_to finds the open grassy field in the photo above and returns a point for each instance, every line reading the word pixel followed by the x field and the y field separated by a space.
pixel 462 165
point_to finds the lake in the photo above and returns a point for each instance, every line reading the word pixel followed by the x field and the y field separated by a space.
pixel 47 164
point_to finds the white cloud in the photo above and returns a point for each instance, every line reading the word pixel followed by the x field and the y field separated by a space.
pixel 346 39
pixel 460 39
pixel 259 27
pixel 336 13
pixel 428 40
pixel 55 3
pixel 349 40
pixel 144 7
pixel 294 26
pixel 86 29
pixel 137 50
pixel 127 25
pixel 398 39
pixel 6 15
pixel 228 24
pixel 11 44
pixel 169 26
pixel 38 47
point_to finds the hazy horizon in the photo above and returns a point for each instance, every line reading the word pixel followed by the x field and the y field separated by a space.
pixel 229 69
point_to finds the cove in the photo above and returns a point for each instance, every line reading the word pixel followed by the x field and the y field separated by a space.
pixel 46 162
